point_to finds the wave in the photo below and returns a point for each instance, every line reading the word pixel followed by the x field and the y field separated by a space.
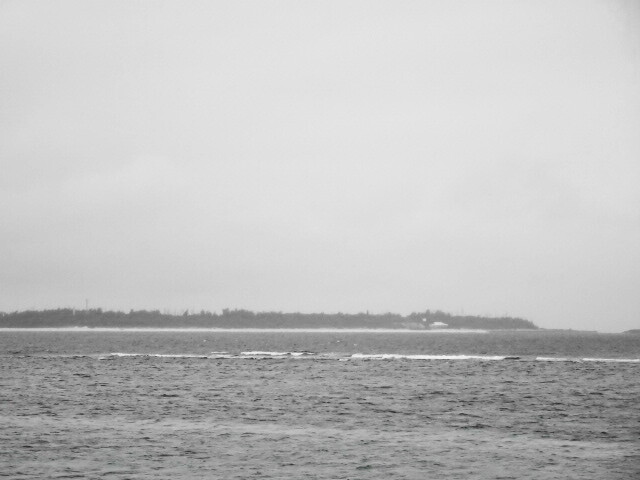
pixel 579 360
pixel 258 354
pixel 612 360
pixel 276 354
pixel 158 355
pixel 556 359
pixel 280 355
pixel 211 355
pixel 395 356
pixel 304 354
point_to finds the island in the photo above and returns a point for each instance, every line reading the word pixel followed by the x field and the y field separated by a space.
pixel 239 318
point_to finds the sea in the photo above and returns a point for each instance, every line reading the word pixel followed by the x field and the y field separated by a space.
pixel 318 404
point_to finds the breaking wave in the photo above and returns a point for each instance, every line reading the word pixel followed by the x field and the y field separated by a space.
pixel 577 360
pixel 341 356
pixel 394 356
pixel 265 355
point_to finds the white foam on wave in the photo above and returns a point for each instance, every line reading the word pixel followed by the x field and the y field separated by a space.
pixel 612 360
pixel 395 356
pixel 259 354
pixel 213 355
pixel 264 354
pixel 556 359
pixel 274 354
pixel 159 355
pixel 587 359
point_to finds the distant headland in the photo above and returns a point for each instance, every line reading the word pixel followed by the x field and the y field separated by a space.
pixel 98 318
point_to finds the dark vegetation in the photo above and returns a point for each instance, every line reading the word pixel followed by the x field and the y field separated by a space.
pixel 66 317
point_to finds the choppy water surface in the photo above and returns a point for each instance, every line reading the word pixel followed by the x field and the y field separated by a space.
pixel 337 405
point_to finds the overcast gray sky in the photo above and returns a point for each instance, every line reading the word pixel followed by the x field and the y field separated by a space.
pixel 471 156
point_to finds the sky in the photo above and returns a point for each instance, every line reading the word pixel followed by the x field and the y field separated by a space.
pixel 477 157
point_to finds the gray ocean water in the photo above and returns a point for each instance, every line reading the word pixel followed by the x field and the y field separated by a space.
pixel 329 405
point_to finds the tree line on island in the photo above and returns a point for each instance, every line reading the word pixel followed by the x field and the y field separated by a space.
pixel 94 318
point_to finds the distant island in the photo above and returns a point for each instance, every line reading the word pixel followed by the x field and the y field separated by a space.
pixel 98 318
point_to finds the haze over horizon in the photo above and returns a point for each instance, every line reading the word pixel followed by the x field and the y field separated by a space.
pixel 391 156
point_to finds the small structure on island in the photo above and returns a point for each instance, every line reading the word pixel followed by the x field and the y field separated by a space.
pixel 438 325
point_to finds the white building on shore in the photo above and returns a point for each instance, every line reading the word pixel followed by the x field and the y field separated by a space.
pixel 435 325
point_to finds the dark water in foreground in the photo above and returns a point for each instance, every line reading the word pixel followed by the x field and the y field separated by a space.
pixel 117 405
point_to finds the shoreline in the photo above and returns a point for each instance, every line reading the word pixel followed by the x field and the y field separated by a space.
pixel 301 330
pixel 241 330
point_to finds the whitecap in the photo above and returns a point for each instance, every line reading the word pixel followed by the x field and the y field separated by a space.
pixel 612 360
pixel 588 359
pixel 158 355
pixel 394 356
pixel 556 359
pixel 275 354
pixel 264 354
